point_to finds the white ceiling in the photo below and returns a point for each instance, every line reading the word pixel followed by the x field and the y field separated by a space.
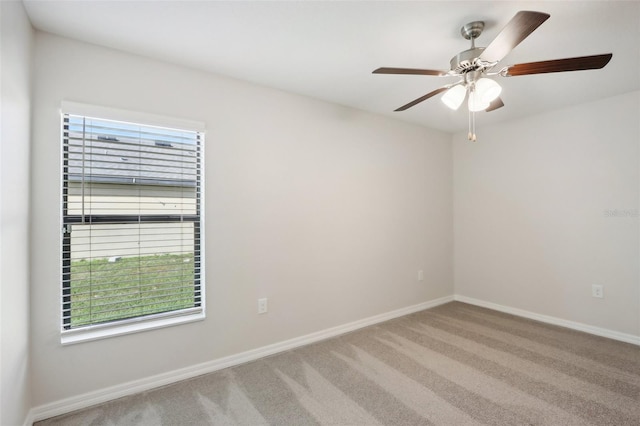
pixel 327 49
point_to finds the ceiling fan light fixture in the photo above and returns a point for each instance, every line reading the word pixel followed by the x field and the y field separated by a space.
pixel 454 97
pixel 487 90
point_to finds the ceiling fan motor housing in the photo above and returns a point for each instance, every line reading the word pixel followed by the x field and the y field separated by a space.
pixel 466 61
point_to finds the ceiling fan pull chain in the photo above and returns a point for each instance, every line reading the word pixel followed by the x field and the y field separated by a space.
pixel 472 126
pixel 473 122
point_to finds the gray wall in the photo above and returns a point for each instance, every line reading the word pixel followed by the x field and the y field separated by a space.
pixel 327 211
pixel 547 206
pixel 15 87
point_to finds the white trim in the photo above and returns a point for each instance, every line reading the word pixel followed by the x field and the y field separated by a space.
pixel 117 114
pixel 603 332
pixel 88 399
pixel 138 324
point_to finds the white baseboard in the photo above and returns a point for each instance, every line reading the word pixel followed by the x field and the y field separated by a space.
pixel 103 395
pixel 603 332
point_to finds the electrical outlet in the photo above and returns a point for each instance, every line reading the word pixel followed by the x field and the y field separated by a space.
pixel 262 306
pixel 420 275
pixel 597 290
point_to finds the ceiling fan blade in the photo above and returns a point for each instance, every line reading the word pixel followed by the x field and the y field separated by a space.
pixel 495 104
pixel 414 71
pixel 423 98
pixel 560 65
pixel 519 28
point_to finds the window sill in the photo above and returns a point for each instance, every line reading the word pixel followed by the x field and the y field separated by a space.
pixel 103 331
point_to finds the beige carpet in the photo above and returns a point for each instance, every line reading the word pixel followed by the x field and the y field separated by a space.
pixel 455 364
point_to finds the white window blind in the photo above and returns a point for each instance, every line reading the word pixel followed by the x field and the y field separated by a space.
pixel 131 213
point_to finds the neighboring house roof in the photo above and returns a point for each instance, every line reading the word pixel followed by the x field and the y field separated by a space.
pixel 114 156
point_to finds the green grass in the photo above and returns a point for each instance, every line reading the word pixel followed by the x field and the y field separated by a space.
pixel 103 291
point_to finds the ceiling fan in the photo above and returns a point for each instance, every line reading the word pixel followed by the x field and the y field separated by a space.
pixel 475 65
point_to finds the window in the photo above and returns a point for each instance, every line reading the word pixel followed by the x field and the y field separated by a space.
pixel 131 226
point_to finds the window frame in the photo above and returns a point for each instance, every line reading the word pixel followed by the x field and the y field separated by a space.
pixel 149 321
